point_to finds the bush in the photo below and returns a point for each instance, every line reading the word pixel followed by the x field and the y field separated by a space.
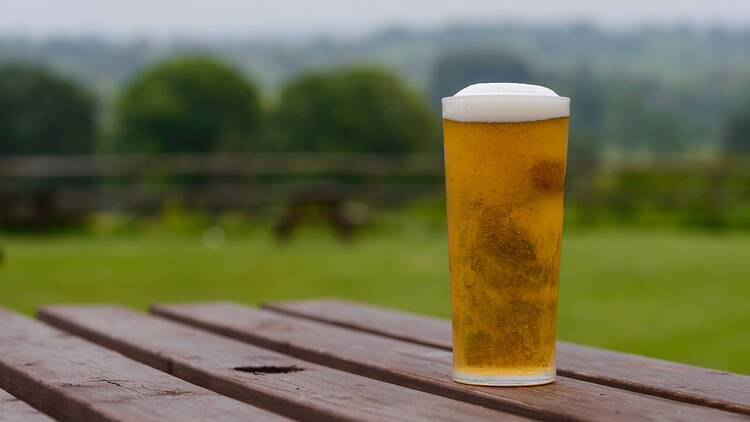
pixel 360 110
pixel 42 113
pixel 189 105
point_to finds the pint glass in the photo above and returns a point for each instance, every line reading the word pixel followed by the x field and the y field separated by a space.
pixel 505 158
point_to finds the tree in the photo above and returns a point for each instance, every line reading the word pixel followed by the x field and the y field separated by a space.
pixel 43 113
pixel 359 110
pixel 737 131
pixel 458 69
pixel 188 105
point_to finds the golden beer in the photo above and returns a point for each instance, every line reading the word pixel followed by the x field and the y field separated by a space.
pixel 504 184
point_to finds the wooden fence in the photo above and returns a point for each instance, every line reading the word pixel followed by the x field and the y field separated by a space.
pixel 38 190
pixel 42 189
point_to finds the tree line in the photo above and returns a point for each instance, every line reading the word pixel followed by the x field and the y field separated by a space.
pixel 199 104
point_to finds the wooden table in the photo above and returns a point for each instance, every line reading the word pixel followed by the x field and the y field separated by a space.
pixel 314 360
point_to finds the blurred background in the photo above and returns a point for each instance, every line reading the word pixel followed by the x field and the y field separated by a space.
pixel 192 151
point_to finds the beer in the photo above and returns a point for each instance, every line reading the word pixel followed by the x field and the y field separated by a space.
pixel 505 157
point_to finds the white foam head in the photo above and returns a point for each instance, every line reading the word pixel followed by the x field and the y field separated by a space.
pixel 505 102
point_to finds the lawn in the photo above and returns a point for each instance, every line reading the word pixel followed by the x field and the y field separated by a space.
pixel 675 295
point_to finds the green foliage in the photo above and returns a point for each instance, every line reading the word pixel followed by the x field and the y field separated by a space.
pixel 360 110
pixel 460 68
pixel 689 195
pixel 42 113
pixel 737 131
pixel 695 73
pixel 189 105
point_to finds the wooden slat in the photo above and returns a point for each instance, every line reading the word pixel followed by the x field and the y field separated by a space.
pixel 428 369
pixel 74 380
pixel 280 383
pixel 671 380
pixel 420 329
pixel 14 410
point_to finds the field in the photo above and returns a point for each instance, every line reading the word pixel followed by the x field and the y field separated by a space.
pixel 675 295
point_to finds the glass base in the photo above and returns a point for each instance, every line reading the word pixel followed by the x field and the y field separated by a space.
pixel 504 381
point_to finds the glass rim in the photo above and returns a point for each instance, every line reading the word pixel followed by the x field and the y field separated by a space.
pixel 506 96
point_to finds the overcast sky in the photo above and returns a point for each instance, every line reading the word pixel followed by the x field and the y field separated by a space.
pixel 165 18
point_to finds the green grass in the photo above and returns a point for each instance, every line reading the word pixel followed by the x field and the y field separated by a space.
pixel 680 296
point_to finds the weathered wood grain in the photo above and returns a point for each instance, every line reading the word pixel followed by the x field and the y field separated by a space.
pixel 74 380
pixel 278 382
pixel 14 410
pixel 671 380
pixel 427 368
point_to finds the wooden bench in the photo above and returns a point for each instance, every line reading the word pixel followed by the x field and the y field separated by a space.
pixel 314 360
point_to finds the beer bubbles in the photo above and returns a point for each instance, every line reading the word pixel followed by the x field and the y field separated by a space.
pixel 505 151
